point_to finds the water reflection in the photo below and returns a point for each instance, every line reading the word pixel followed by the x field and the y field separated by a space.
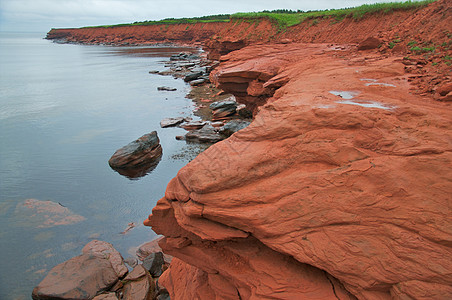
pixel 163 51
pixel 138 172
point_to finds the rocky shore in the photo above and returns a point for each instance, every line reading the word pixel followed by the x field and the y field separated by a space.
pixel 340 186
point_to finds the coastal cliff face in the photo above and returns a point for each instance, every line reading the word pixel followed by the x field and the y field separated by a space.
pixel 142 35
pixel 340 187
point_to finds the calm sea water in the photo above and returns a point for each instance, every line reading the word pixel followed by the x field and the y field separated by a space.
pixel 64 110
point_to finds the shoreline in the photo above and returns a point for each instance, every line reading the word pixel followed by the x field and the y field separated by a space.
pixel 343 138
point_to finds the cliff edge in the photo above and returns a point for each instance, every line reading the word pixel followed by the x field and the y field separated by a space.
pixel 339 189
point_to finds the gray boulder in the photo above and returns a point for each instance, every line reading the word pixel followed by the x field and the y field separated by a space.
pixel 169 122
pixel 193 76
pixel 207 134
pixel 223 108
pixel 233 126
pixel 142 151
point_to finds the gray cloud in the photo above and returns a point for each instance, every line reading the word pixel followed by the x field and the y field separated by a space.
pixel 41 15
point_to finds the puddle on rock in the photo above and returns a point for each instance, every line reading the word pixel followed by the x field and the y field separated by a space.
pixel 375 82
pixel 368 104
pixel 345 94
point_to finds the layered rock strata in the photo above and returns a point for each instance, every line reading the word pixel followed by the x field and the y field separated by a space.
pixel 339 188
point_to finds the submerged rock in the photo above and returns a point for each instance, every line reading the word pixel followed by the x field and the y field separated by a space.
pixel 45 214
pixel 145 150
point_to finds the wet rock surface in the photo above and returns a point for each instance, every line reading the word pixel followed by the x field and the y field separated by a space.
pixel 166 88
pixel 145 150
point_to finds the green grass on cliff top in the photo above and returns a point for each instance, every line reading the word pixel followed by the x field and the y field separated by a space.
pixel 286 18
pixel 291 18
pixel 169 21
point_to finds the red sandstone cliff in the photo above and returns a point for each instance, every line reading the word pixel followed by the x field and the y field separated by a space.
pixel 326 195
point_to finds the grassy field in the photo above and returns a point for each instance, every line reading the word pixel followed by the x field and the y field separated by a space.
pixel 286 18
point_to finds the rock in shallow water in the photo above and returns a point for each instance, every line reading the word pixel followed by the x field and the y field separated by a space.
pixel 166 88
pixel 81 277
pixel 142 151
pixel 169 122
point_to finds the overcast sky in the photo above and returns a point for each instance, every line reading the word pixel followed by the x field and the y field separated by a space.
pixel 41 15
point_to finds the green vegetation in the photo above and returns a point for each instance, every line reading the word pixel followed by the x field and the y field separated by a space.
pixel 169 21
pixel 285 18
pixel 419 50
pixel 290 18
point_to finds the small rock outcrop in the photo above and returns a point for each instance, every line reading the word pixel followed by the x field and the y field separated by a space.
pixel 81 277
pixel 170 122
pixel 370 43
pixel 105 250
pixel 145 150
pixel 223 109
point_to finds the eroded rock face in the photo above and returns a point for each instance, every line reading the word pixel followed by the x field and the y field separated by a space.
pixel 145 150
pixel 352 193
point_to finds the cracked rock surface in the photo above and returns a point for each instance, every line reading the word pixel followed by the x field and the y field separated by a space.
pixel 320 197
